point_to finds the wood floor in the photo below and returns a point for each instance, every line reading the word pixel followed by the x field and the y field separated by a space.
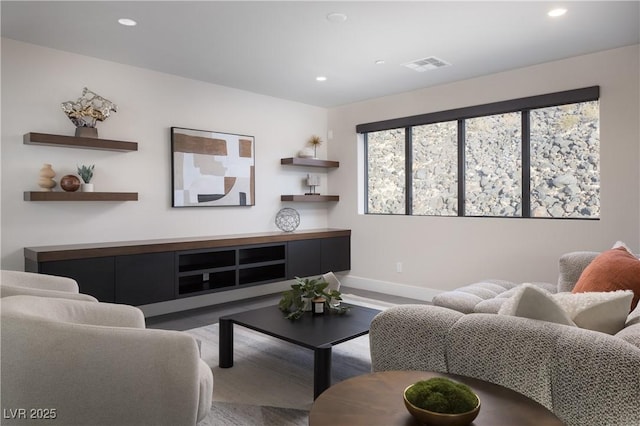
pixel 200 317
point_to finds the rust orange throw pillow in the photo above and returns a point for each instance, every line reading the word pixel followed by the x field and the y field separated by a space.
pixel 614 269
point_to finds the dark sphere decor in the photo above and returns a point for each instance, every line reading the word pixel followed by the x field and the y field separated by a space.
pixel 70 183
pixel 287 219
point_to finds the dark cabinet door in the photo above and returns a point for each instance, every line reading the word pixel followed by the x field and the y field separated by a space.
pixel 145 278
pixel 304 258
pixel 336 254
pixel 95 276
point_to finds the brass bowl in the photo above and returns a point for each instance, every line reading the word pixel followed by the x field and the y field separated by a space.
pixel 432 418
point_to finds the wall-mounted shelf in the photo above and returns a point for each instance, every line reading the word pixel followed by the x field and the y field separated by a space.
pixel 80 196
pixel 310 198
pixel 78 142
pixel 310 162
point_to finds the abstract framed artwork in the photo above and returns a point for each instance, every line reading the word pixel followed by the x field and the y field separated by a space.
pixel 212 168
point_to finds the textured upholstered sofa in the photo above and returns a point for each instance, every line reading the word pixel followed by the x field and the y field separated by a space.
pixel 585 377
pixel 81 362
pixel 488 296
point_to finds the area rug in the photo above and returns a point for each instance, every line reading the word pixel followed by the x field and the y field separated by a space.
pixel 271 381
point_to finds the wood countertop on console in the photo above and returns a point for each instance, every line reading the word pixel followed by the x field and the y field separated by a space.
pixel 119 248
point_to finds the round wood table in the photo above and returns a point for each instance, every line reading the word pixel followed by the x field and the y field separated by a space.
pixel 376 399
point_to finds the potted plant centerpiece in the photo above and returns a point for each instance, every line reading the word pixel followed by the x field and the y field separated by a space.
pixel 86 173
pixel 441 401
pixel 298 299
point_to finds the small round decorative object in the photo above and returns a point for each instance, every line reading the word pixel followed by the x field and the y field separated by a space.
pixel 70 183
pixel 287 219
pixel 440 419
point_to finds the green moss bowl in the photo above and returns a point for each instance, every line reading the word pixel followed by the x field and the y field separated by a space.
pixel 432 418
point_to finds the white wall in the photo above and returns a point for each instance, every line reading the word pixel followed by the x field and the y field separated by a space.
pixel 36 80
pixel 437 253
pixel 440 253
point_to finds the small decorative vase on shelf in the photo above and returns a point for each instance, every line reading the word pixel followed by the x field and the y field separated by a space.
pixel 86 173
pixel 306 153
pixel 87 132
pixel 70 183
pixel 315 141
pixel 46 181
pixel 86 111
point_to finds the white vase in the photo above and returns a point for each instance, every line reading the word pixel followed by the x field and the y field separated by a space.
pixel 46 182
pixel 306 304
pixel 87 187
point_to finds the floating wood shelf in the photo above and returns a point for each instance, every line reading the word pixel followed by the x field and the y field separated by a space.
pixel 80 196
pixel 310 162
pixel 78 142
pixel 310 198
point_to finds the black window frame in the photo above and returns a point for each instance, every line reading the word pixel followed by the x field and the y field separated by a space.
pixel 521 105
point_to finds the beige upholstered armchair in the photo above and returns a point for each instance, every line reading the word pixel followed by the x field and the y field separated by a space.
pixel 88 363
pixel 13 283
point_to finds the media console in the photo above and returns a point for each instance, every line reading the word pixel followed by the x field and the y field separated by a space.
pixel 143 272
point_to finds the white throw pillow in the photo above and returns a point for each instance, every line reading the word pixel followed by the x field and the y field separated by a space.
pixel 626 247
pixel 605 311
pixel 536 303
pixel 599 311
pixel 332 280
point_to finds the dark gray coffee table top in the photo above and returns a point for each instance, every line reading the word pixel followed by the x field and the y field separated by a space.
pixel 316 332
pixel 309 331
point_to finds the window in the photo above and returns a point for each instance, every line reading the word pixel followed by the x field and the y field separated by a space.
pixel 385 171
pixel 435 169
pixel 493 154
pixel 565 170
pixel 529 157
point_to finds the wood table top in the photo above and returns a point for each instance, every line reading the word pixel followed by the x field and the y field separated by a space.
pixel 376 399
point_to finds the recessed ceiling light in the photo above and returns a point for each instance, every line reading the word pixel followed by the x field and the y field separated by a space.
pixel 554 13
pixel 336 17
pixel 321 78
pixel 127 22
pixel 379 62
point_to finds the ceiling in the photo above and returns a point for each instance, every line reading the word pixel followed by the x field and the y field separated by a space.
pixel 279 48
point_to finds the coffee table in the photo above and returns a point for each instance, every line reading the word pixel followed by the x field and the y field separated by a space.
pixel 376 399
pixel 316 332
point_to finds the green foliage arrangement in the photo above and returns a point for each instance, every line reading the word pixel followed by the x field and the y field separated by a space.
pixel 442 395
pixel 293 301
pixel 86 172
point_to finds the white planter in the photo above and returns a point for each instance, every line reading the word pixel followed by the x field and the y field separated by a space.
pixel 306 304
pixel 87 187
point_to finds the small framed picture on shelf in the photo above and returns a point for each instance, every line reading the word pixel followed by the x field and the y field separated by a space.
pixel 211 169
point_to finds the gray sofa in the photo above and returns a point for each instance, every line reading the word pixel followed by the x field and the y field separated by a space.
pixel 585 377
pixel 488 296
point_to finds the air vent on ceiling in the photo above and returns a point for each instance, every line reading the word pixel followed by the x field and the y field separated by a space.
pixel 426 64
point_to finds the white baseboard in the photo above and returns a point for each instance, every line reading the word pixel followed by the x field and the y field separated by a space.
pixel 387 287
pixel 187 303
